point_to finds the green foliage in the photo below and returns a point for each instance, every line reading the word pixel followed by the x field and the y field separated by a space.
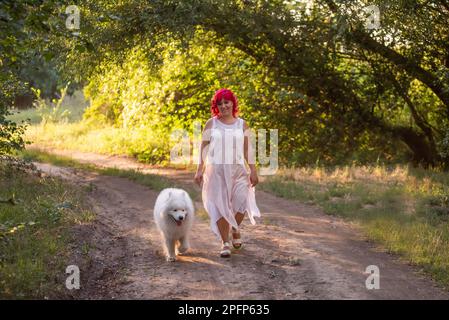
pixel 352 78
pixel 337 92
pixel 35 216
pixel 72 107
pixel 51 112
pixel 24 44
pixel 175 91
pixel 444 147
pixel 11 135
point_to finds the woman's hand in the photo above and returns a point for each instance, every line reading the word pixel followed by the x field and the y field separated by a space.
pixel 253 178
pixel 199 178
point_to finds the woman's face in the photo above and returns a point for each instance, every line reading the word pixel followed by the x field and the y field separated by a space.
pixel 225 107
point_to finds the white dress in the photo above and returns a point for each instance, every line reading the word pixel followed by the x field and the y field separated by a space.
pixel 226 184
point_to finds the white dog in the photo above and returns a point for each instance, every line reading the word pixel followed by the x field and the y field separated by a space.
pixel 174 214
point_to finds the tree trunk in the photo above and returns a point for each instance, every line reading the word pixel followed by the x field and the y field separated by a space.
pixel 423 153
pixel 413 69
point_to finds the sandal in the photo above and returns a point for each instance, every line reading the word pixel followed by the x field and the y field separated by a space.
pixel 225 250
pixel 236 242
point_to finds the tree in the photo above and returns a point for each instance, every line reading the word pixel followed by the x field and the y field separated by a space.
pixel 351 82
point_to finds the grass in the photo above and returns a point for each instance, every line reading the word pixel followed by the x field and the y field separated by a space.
pixel 73 105
pixel 404 209
pixel 153 181
pixel 87 136
pixel 72 132
pixel 36 215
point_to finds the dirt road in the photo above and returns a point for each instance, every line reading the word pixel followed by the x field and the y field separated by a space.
pixel 294 252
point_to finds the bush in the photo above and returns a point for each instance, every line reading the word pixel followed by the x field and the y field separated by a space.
pixel 51 112
pixel 443 146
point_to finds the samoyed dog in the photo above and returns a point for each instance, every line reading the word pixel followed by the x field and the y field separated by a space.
pixel 174 214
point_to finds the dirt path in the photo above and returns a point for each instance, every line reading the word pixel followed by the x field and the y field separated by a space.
pixel 294 252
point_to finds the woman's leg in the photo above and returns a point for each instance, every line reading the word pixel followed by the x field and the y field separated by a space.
pixel 236 234
pixel 239 217
pixel 223 227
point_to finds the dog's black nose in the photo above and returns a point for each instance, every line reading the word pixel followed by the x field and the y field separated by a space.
pixel 181 218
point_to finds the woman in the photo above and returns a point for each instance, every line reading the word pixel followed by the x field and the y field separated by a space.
pixel 227 187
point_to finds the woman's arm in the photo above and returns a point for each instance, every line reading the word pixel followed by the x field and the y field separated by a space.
pixel 249 156
pixel 205 140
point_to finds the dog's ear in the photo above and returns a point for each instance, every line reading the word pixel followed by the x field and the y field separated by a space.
pixel 185 195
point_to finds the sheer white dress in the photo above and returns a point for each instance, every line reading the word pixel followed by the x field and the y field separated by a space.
pixel 226 184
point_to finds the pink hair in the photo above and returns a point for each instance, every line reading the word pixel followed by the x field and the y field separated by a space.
pixel 224 94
